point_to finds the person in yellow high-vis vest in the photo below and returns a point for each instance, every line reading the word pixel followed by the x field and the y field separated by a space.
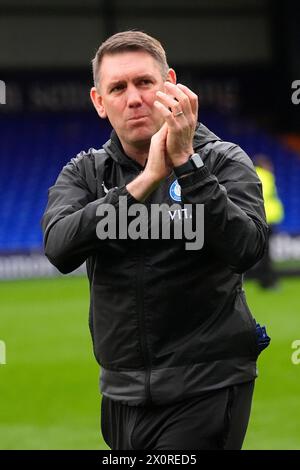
pixel 264 271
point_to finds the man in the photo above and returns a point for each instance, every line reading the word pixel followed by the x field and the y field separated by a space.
pixel 171 328
pixel 264 270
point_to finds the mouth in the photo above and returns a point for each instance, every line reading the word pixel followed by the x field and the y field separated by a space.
pixel 137 118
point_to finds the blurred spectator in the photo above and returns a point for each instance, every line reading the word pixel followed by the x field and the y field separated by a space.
pixel 264 271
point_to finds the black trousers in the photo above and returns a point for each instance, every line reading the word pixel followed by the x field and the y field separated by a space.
pixel 214 420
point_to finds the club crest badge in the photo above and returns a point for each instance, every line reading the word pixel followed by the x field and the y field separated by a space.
pixel 175 191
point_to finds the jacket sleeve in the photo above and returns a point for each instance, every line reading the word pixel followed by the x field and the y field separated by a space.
pixel 70 219
pixel 235 226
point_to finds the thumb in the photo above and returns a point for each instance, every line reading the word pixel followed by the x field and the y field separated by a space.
pixel 160 135
pixel 164 129
pixel 162 132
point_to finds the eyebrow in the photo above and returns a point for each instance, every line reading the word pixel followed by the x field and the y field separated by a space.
pixel 121 81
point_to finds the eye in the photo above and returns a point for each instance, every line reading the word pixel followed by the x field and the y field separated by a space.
pixel 145 81
pixel 117 88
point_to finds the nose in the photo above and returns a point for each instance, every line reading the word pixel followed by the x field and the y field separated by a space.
pixel 134 98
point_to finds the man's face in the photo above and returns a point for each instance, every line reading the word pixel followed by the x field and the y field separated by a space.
pixel 128 84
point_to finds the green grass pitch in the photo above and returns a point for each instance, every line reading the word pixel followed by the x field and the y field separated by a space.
pixel 49 385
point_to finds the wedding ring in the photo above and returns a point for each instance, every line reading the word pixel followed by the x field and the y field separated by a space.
pixel 178 114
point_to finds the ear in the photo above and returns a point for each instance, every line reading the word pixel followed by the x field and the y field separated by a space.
pixel 171 76
pixel 98 102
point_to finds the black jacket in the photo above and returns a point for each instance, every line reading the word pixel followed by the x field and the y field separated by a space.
pixel 167 323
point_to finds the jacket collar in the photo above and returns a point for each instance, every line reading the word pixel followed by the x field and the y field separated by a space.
pixel 114 148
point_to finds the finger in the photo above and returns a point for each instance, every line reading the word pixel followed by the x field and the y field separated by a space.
pixel 166 113
pixel 179 94
pixel 192 97
pixel 170 102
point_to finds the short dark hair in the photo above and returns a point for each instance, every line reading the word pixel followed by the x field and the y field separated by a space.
pixel 130 41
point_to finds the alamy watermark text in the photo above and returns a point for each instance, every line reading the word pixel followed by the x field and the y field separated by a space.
pixel 2 92
pixel 2 352
pixel 296 94
pixel 180 222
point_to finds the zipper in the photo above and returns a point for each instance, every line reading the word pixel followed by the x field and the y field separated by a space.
pixel 140 309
